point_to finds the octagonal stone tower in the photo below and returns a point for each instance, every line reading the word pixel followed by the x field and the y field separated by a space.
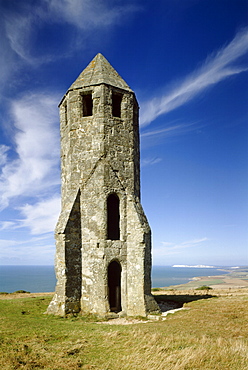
pixel 103 239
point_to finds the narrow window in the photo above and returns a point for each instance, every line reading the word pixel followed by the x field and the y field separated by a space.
pixel 113 217
pixel 87 104
pixel 65 108
pixel 116 104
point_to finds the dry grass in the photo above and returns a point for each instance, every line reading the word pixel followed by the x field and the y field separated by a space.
pixel 212 334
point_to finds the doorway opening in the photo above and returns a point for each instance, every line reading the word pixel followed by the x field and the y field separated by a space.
pixel 114 286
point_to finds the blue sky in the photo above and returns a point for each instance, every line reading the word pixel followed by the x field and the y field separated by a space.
pixel 187 61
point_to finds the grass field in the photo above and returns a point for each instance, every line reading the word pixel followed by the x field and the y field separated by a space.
pixel 212 333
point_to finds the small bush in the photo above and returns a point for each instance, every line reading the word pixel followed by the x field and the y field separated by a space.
pixel 20 291
pixel 204 287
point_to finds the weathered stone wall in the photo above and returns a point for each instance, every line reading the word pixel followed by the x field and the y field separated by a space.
pixel 99 157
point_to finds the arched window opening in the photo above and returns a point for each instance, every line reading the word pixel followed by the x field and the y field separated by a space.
pixel 113 217
pixel 114 286
pixel 87 104
pixel 116 104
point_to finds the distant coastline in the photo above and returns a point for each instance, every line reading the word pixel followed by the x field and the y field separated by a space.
pixel 234 278
pixel 37 279
pixel 208 267
pixel 196 266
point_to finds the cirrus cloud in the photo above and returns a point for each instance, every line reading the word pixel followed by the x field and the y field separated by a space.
pixel 216 68
pixel 168 248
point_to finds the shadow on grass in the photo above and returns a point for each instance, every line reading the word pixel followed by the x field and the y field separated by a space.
pixel 170 302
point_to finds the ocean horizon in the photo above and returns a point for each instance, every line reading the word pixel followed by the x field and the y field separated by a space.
pixel 39 279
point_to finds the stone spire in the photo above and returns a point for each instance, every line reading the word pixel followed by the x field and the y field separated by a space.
pixel 98 72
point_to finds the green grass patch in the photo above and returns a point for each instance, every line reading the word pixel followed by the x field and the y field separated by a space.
pixel 212 282
pixel 212 334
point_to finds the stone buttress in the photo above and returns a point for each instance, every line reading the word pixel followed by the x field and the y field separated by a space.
pixel 103 239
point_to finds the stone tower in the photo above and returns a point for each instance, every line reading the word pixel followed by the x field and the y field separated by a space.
pixel 103 239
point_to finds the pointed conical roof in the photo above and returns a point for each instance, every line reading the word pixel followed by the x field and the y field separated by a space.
pixel 99 71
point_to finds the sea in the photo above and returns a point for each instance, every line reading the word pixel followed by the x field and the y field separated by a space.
pixel 36 279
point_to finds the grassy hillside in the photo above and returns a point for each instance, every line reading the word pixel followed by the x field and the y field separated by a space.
pixel 211 333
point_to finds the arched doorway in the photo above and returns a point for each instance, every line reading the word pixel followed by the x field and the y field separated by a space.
pixel 113 217
pixel 114 286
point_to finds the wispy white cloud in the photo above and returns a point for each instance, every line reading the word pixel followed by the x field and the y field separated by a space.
pixel 86 14
pixel 168 248
pixel 22 27
pixel 171 130
pixel 216 68
pixel 28 251
pixel 41 217
pixel 35 168
pixel 150 161
pixel 7 225
pixel 164 131
pixel 3 154
pixel 151 137
pixel 18 32
pixel 167 244
pixel 5 243
pixel 193 242
pixel 6 56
